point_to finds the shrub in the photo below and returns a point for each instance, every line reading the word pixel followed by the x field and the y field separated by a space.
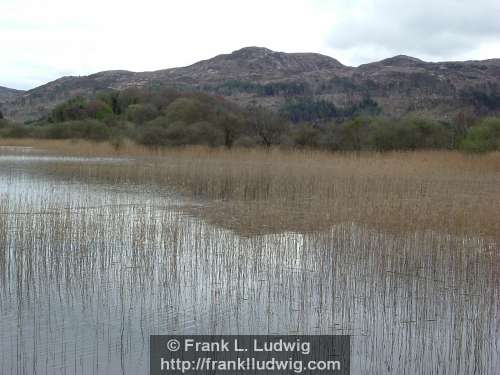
pixel 205 133
pixel 56 131
pixel 177 134
pixel 127 98
pixel 98 109
pixel 306 135
pixel 16 131
pixel 92 130
pixel 110 97
pixel 163 97
pixel 181 134
pixel 85 129
pixel 483 137
pixel 352 135
pixel 80 109
pixel 411 134
pixel 161 122
pixel 73 109
pixel 153 136
pixel 431 134
pixel 141 113
pixel 188 110
pixel 245 141
pixel 168 117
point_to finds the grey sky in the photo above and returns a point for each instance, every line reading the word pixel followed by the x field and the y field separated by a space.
pixel 428 29
pixel 43 40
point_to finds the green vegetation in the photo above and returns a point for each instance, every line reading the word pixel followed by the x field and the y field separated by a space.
pixel 307 109
pixel 80 109
pixel 168 118
pixel 484 137
pixel 269 89
pixel 412 134
pixel 483 98
pixel 310 110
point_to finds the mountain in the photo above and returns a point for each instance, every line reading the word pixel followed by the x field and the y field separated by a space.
pixel 7 94
pixel 400 84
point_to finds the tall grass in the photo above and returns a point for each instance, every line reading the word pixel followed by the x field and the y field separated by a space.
pixel 273 190
pixel 397 250
pixel 87 282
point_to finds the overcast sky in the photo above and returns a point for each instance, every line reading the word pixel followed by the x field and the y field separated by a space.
pixel 44 40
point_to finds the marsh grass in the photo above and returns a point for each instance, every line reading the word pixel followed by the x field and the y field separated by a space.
pixel 267 191
pixel 87 280
pixel 397 250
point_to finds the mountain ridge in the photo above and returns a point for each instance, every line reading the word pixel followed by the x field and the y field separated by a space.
pixel 7 94
pixel 257 75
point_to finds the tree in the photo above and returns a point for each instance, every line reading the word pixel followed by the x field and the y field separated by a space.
pixel 411 134
pixel 188 110
pixel 306 135
pixel 366 107
pixel 483 137
pixel 110 98
pixel 205 133
pixel 484 98
pixel 230 125
pixel 1 115
pixel 267 126
pixel 73 109
pixel 98 109
pixel 353 134
pixel 128 97
pixel 141 113
pixel 161 98
pixel 309 110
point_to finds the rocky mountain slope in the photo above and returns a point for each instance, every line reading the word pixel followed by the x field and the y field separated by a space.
pixel 7 94
pixel 400 84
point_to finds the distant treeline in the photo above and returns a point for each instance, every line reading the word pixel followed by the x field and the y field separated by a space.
pixel 166 117
pixel 300 105
pixel 268 89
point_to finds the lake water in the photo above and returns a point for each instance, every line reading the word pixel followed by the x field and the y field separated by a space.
pixel 89 270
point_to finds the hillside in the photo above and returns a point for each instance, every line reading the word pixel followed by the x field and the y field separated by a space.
pixel 7 94
pixel 399 85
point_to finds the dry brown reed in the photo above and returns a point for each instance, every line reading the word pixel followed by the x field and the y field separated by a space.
pixel 260 190
pixel 86 277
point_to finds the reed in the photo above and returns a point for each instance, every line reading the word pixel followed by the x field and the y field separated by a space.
pixel 397 250
pixel 261 190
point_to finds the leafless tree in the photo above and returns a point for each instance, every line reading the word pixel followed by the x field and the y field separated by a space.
pixel 268 126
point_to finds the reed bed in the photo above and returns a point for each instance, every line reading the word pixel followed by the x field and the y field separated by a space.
pixel 87 282
pixel 257 191
pixel 398 250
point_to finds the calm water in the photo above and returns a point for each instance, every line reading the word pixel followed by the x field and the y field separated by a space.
pixel 88 271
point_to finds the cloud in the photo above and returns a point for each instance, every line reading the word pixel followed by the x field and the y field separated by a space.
pixel 429 29
pixel 50 37
pixel 43 40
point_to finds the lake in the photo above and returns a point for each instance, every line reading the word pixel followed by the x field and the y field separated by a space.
pixel 89 270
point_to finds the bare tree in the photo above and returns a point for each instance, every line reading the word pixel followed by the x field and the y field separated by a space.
pixel 230 125
pixel 268 126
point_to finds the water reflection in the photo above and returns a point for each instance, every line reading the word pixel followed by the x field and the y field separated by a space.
pixel 89 271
